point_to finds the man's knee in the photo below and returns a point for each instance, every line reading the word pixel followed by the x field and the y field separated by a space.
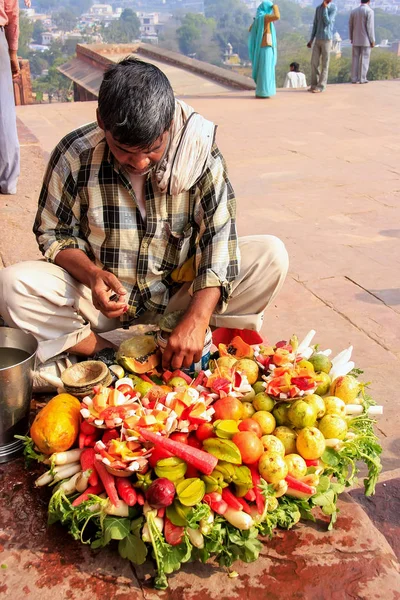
pixel 267 251
pixel 30 278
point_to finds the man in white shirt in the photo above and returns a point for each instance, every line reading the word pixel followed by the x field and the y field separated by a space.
pixel 362 36
pixel 295 78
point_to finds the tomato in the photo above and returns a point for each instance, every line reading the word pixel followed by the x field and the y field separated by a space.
pixel 173 534
pixel 113 412
pixel 250 425
pixel 157 454
pixel 250 446
pixel 228 408
pixel 194 441
pixel 179 437
pixel 205 431
pixel 110 434
pixel 127 390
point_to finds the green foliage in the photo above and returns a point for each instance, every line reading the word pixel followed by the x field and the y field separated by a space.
pixel 38 29
pixel 123 31
pixel 233 20
pixel 196 38
pixel 25 35
pixel 384 65
pixel 65 19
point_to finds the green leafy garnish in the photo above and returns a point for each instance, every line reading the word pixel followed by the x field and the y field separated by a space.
pixel 30 452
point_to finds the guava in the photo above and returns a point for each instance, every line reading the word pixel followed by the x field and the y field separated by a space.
pixel 272 467
pixel 143 387
pixel 333 427
pixel 248 367
pixel 310 443
pixel 334 406
pixel 288 438
pixel 317 402
pixel 177 382
pixel 296 465
pixel 273 445
pixel 346 388
pixel 258 386
pixel 263 402
pixel 323 383
pixel 226 362
pixel 301 414
pixel 280 412
pixel 248 410
pixel 320 363
pixel 265 420
pixel 248 397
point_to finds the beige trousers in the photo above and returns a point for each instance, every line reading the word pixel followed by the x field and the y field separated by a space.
pixel 43 299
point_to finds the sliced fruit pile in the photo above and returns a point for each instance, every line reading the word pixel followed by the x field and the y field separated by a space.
pixel 255 441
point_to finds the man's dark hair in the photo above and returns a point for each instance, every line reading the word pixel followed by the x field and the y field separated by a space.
pixel 136 102
pixel 296 67
pixel 365 1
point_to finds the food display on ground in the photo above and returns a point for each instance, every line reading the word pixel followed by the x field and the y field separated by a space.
pixel 178 468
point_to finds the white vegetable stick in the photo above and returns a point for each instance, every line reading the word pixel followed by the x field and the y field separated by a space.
pixel 121 510
pixel 333 443
pixel 66 458
pixel 66 471
pixel 44 479
pixel 82 481
pixel 196 537
pixel 357 409
pixel 306 341
pixel 327 352
pixel 238 518
pixel 341 370
pixel 69 487
pixel 307 353
pixel 343 356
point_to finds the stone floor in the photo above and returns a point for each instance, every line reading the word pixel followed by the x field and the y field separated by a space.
pixel 321 172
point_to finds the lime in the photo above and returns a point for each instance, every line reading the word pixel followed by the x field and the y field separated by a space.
pixel 263 402
pixel 320 363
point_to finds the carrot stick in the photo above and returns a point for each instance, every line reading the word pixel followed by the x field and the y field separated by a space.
pixel 94 489
pixel 108 482
pixel 126 491
pixel 201 460
pixel 87 462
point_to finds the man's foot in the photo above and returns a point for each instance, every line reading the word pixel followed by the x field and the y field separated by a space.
pixel 316 91
pixel 364 81
pixel 310 89
pixel 355 82
pixel 8 192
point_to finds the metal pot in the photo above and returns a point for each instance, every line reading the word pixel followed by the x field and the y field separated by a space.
pixel 17 363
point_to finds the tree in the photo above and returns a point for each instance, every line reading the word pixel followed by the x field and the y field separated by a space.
pixel 233 21
pixel 38 29
pixel 65 19
pixel 25 35
pixel 196 38
pixel 384 65
pixel 123 31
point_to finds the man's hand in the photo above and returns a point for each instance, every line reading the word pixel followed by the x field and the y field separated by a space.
pixel 372 44
pixel 309 44
pixel 104 285
pixel 326 3
pixel 14 63
pixel 185 344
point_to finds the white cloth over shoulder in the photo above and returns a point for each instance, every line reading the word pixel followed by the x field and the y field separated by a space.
pixel 295 80
pixel 192 137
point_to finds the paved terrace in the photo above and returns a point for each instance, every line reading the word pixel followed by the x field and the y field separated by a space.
pixel 321 172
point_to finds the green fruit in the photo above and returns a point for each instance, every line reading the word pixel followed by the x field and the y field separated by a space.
pixel 223 450
pixel 301 414
pixel 280 413
pixel 334 406
pixel 191 491
pixel 316 402
pixel 310 443
pixel 320 363
pixel 263 402
pixel 324 381
pixel 143 387
pixel 346 388
pixel 176 513
pixel 265 420
pixel 171 468
pixel 272 467
pixel 333 427
pixel 225 428
pixel 248 410
pixel 177 382
pixel 248 397
pixel 258 386
pixel 288 438
pixel 273 445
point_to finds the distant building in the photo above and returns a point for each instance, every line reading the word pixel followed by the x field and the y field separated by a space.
pixel 101 9
pixel 149 26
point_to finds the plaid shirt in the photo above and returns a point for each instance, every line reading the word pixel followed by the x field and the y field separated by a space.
pixel 87 202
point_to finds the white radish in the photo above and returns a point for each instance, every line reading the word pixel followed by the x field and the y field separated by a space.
pixel 305 343
pixel 196 537
pixel 82 482
pixel 238 518
pixel 206 524
pixel 341 370
pixel 147 509
pixel 358 409
pixel 307 353
pixel 118 371
pixel 334 443
pixel 69 487
pixel 66 471
pixel 159 523
pixel 280 488
pixel 326 352
pixel 121 510
pixel 44 479
pixel 65 458
pixel 343 357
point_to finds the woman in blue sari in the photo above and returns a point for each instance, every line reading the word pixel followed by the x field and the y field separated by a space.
pixel 263 50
